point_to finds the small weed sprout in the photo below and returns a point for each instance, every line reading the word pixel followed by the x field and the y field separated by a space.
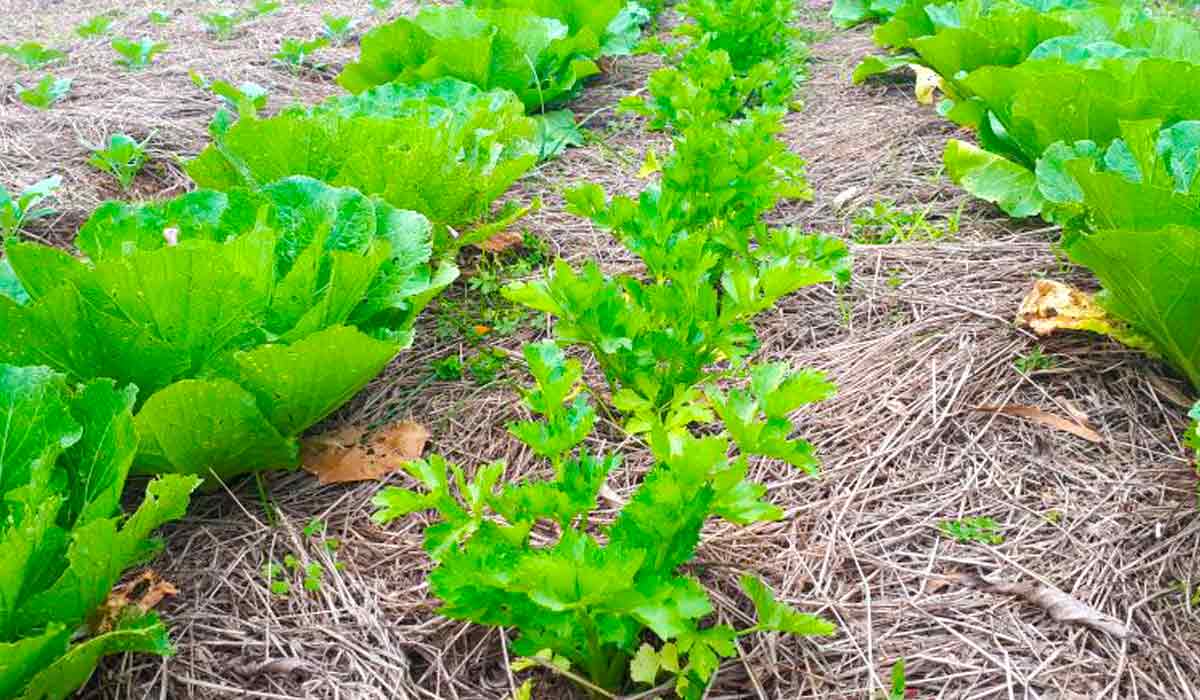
pixel 96 26
pixel 338 28
pixel 1034 361
pixel 27 206
pixel 983 530
pixel 296 55
pixel 136 55
pixel 32 55
pixel 886 223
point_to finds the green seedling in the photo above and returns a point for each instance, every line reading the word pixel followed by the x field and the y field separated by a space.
pixel 96 26
pixel 159 17
pixel 1034 361
pixel 975 529
pixel 338 28
pixel 136 55
pixel 32 54
pixel 448 369
pixel 486 366
pixel 886 223
pixel 296 55
pixel 262 8
pixel 45 93
pixel 122 157
pixel 27 206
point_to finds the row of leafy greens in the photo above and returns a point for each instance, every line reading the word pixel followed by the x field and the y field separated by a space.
pixel 242 317
pixel 1085 115
pixel 65 453
pixel 609 600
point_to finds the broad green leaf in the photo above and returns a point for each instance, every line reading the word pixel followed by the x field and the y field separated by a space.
pixel 60 679
pixel 778 617
pixel 24 658
pixel 98 464
pixel 994 178
pixel 203 426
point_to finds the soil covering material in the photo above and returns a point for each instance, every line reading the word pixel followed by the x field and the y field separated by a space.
pixel 918 342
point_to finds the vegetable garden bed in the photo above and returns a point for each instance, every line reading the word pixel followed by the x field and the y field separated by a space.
pixel 920 343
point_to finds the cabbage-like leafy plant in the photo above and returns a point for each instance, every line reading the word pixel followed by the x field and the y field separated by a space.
pixel 617 23
pixel 243 317
pixel 535 57
pixel 445 149
pixel 750 31
pixel 136 55
pixel 63 540
pixel 96 26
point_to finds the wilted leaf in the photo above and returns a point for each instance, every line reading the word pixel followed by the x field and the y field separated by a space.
pixel 1053 306
pixel 351 454
pixel 143 594
pixel 502 241
pixel 1057 604
pixel 1037 415
pixel 928 83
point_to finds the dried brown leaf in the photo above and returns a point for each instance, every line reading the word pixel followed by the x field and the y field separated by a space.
pixel 1057 604
pixel 502 241
pixel 139 595
pixel 1053 306
pixel 351 454
pixel 1078 428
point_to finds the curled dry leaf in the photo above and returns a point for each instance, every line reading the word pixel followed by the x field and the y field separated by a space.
pixel 1077 426
pixel 352 454
pixel 502 241
pixel 138 596
pixel 1053 306
pixel 1057 604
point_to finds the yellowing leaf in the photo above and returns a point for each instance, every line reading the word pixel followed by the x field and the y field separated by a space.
pixel 350 454
pixel 1052 306
pixel 525 692
pixel 928 82
pixel 650 165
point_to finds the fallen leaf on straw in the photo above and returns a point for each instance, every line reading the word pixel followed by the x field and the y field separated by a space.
pixel 1057 604
pixel 350 454
pixel 503 241
pixel 1037 415
pixel 143 593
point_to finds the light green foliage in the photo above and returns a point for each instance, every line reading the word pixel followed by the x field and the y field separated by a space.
pixel 136 55
pixel 704 89
pixel 243 317
pixel 712 264
pixel 262 8
pixel 533 56
pixel 63 539
pixel 96 26
pixel 885 223
pixel 32 55
pixel 160 17
pixel 337 28
pixel 1193 436
pixel 974 529
pixel 222 25
pixel 122 157
pixel 590 602
pixel 750 31
pixel 445 149
pixel 382 5
pixel 1034 361
pixel 26 206
pixel 616 23
pixel 296 54
pixel 1131 218
pixel 899 681
pixel 244 99
pixel 847 13
pixel 45 93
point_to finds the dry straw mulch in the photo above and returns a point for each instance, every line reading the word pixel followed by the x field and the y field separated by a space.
pixel 920 339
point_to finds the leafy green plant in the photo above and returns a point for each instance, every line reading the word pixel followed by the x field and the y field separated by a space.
pixel 749 31
pixel 338 28
pixel 616 606
pixel 983 530
pixel 262 8
pixel 616 24
pixel 136 55
pixel 296 55
pixel 448 369
pixel 222 25
pixel 899 682
pixel 243 99
pixel 122 157
pixel 96 26
pixel 848 13
pixel 244 317
pixel 32 55
pixel 445 149
pixel 160 17
pixel 68 451
pixel 704 89
pixel 532 56
pixel 485 367
pixel 45 93
pixel 28 205
pixel 885 223
pixel 382 5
